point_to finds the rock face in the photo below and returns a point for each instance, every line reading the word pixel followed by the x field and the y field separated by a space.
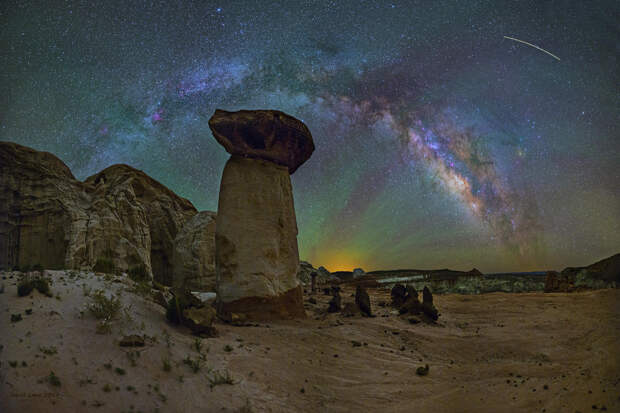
pixel 125 191
pixel 257 259
pixel 264 134
pixel 120 216
pixel 194 254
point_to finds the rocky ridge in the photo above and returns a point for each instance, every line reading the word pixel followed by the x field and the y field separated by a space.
pixel 118 220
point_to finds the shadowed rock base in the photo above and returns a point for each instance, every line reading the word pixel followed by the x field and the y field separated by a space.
pixel 287 305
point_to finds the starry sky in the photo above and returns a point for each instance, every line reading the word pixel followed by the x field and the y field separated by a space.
pixel 439 142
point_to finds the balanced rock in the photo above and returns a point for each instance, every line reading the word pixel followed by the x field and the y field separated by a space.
pixel 264 134
pixel 257 258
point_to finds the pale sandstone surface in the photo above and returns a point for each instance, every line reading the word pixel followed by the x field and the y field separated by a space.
pixel 488 353
pixel 194 253
pixel 120 214
pixel 256 237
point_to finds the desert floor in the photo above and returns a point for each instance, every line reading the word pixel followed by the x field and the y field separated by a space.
pixel 489 353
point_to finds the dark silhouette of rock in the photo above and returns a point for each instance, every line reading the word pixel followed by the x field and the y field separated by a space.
pixel 399 293
pixel 412 304
pixel 265 134
pixel 362 300
pixel 427 305
pixel 335 304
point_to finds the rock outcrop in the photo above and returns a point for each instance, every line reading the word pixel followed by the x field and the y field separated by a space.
pixel 304 274
pixel 120 218
pixel 194 254
pixel 556 282
pixel 125 192
pixel 362 300
pixel 428 308
pixel 602 274
pixel 257 259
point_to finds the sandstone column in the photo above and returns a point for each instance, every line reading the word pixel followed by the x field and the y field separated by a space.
pixel 256 256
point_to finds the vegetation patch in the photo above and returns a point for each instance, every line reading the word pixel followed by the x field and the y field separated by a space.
pixel 48 350
pixel 29 283
pixel 53 379
pixel 103 307
pixel 220 378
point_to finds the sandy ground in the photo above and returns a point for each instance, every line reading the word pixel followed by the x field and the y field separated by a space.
pixel 498 352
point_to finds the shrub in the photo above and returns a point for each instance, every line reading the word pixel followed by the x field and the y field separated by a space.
pixel 104 265
pixel 104 308
pixel 53 379
pixel 24 287
pixel 37 267
pixel 219 378
pixel 27 284
pixel 138 273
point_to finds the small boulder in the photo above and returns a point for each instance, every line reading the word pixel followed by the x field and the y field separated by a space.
pixel 200 320
pixel 363 301
pixel 422 371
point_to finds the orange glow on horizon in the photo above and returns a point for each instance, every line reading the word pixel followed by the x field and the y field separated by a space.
pixel 340 261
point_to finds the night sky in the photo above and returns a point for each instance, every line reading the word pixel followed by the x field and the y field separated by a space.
pixel 439 143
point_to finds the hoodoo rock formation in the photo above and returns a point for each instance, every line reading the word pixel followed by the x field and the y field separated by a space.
pixel 257 259
pixel 119 218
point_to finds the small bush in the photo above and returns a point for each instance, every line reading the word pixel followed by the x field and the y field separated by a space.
pixel 27 284
pixel 53 379
pixel 105 265
pixel 37 267
pixel 120 371
pixel 51 350
pixel 104 308
pixel 138 273
pixel 166 364
pixel 195 365
pixel 24 287
pixel 219 378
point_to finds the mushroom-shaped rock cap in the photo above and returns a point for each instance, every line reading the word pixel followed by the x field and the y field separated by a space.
pixel 265 134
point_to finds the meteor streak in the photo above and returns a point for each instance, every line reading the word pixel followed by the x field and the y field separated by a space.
pixel 534 46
